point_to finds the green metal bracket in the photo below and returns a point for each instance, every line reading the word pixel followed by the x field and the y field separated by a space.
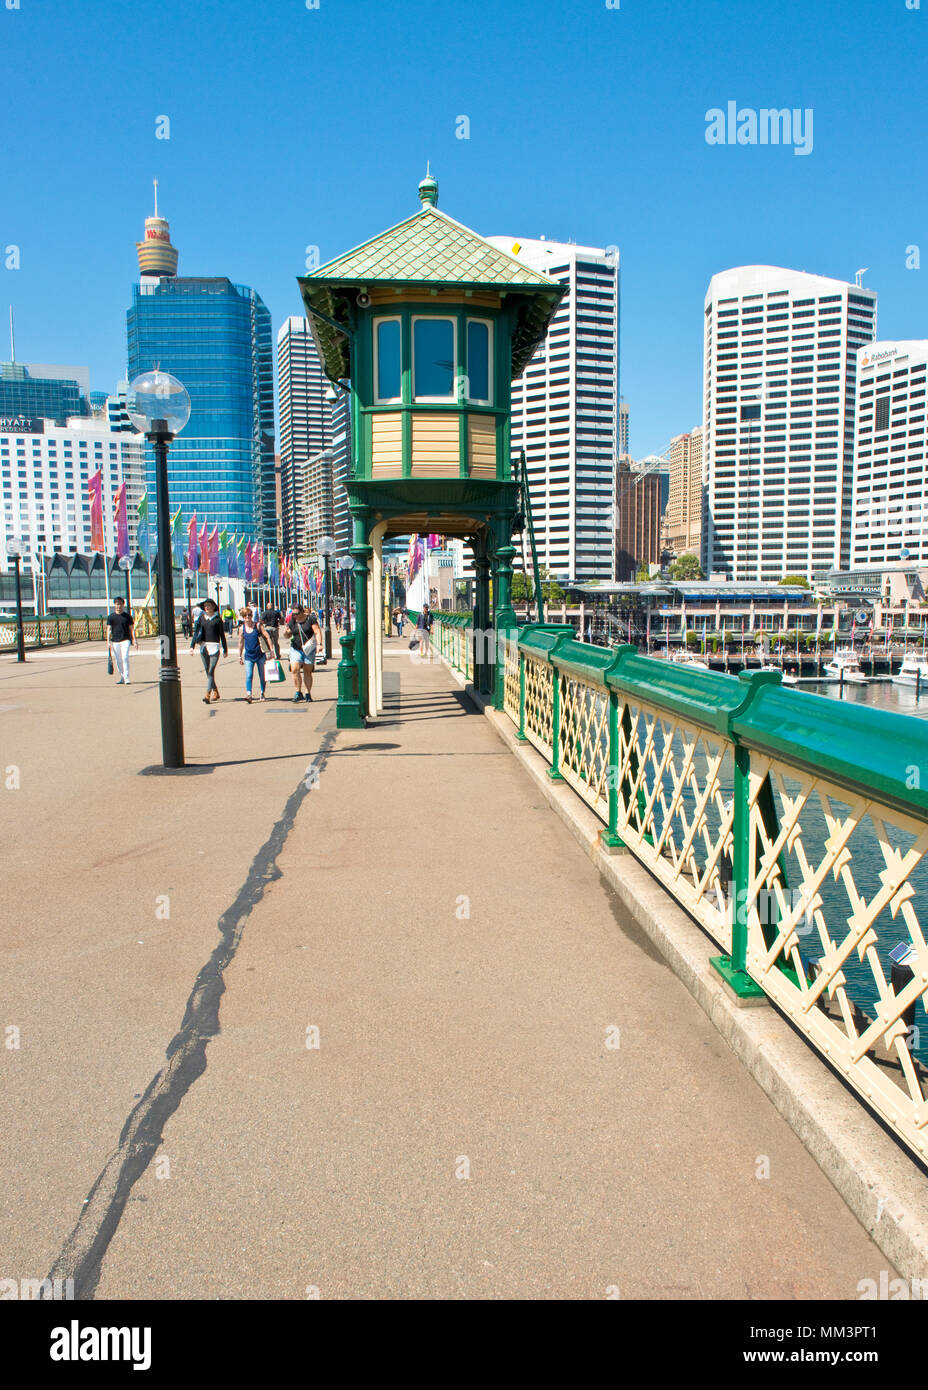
pixel 738 980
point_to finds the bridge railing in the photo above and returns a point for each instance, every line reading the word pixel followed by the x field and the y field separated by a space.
pixel 792 827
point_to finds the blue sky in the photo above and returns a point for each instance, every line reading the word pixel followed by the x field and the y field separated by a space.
pixel 292 127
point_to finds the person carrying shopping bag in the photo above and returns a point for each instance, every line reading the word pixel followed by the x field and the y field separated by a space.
pixel 254 647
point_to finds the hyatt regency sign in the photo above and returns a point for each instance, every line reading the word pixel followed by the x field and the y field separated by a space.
pixel 21 424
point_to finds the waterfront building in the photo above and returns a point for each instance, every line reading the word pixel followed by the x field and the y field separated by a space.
pixel 215 337
pixel 45 466
pixel 890 495
pixel 781 353
pixel 683 516
pixel 565 409
pixel 305 435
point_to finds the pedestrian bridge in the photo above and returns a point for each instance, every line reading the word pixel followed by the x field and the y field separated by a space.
pixel 792 827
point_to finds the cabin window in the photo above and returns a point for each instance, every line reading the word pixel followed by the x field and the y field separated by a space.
pixel 477 379
pixel 387 360
pixel 433 359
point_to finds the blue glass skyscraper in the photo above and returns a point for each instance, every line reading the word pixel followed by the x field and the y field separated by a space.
pixel 215 337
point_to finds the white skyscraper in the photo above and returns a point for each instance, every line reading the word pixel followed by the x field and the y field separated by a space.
pixel 305 431
pixel 565 410
pixel 780 376
pixel 890 508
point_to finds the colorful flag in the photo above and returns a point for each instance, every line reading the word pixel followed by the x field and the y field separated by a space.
pixel 248 563
pixel 192 559
pixel 177 538
pixel 433 542
pixel 273 573
pixel 143 534
pixel 224 553
pixel 214 551
pixel 259 572
pixel 240 558
pixel 204 550
pixel 95 499
pixel 232 560
pixel 121 519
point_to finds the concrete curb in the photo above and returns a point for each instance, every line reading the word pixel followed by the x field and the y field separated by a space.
pixel 884 1188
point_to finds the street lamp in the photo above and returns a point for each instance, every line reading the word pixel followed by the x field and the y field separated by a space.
pixel 188 580
pixel 346 565
pixel 125 564
pixel 15 549
pixel 159 407
pixel 327 548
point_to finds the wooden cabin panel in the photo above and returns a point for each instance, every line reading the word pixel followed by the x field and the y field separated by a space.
pixel 481 438
pixel 387 445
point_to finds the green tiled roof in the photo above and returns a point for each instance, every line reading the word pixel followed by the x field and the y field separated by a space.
pixel 431 249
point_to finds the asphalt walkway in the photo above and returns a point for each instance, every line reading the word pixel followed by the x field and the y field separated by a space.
pixel 350 1013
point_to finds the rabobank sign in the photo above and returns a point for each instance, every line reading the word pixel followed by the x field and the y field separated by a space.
pixel 873 359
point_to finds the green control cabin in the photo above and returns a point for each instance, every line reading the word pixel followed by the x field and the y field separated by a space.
pixel 429 324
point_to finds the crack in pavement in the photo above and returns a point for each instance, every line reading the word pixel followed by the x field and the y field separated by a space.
pixel 82 1254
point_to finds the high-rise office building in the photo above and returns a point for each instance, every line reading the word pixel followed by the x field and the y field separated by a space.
pixel 683 517
pixel 638 512
pixel 780 378
pixel 890 502
pixel 623 430
pixel 43 392
pixel 565 410
pixel 215 337
pixel 305 434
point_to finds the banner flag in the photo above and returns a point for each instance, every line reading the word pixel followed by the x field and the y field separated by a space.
pixel 248 563
pixel 224 553
pixel 204 550
pixel 143 534
pixel 177 539
pixel 95 498
pixel 192 558
pixel 214 551
pixel 121 520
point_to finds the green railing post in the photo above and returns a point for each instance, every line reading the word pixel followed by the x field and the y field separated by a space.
pixel 522 736
pixel 733 968
pixel 610 836
pixel 553 771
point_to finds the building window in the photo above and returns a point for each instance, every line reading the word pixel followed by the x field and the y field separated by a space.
pixel 478 361
pixel 882 413
pixel 387 360
pixel 433 359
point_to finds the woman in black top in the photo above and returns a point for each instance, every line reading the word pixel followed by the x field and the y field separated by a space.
pixel 210 632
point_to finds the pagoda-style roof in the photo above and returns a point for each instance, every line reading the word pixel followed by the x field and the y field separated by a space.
pixel 429 250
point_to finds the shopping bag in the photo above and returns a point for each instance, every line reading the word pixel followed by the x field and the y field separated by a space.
pixel 109 663
pixel 274 671
pixel 413 643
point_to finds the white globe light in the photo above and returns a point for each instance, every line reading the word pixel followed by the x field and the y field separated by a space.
pixel 14 548
pixel 346 563
pixel 327 545
pixel 158 396
pixel 124 562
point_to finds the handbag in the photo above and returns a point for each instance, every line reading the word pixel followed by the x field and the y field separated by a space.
pixel 413 643
pixel 274 672
pixel 109 663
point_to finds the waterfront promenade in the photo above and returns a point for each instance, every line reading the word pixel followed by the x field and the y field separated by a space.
pixel 466 1126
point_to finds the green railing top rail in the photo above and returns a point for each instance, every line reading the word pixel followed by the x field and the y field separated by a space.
pixel 872 752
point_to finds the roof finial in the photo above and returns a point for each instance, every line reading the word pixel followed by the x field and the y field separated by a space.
pixel 428 188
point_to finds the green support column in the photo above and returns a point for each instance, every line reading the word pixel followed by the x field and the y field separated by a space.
pixel 553 771
pixel 610 836
pixel 361 552
pixel 507 623
pixel 481 620
pixel 522 736
pixel 348 709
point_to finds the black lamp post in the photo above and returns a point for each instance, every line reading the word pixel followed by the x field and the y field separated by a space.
pixel 14 550
pixel 327 548
pixel 159 406
pixel 125 564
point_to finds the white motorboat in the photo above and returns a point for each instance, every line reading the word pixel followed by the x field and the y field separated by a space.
pixel 845 664
pixel 688 659
pixel 913 671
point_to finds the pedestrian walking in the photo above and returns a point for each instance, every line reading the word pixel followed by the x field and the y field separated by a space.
pixel 271 621
pixel 254 647
pixel 120 636
pixel 423 628
pixel 209 634
pixel 398 619
pixel 305 639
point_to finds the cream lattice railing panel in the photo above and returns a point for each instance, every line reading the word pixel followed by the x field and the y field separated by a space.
pixel 836 881
pixel 583 756
pixel 511 680
pixel 539 705
pixel 676 810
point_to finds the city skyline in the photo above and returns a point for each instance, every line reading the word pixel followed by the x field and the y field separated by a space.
pixel 520 166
